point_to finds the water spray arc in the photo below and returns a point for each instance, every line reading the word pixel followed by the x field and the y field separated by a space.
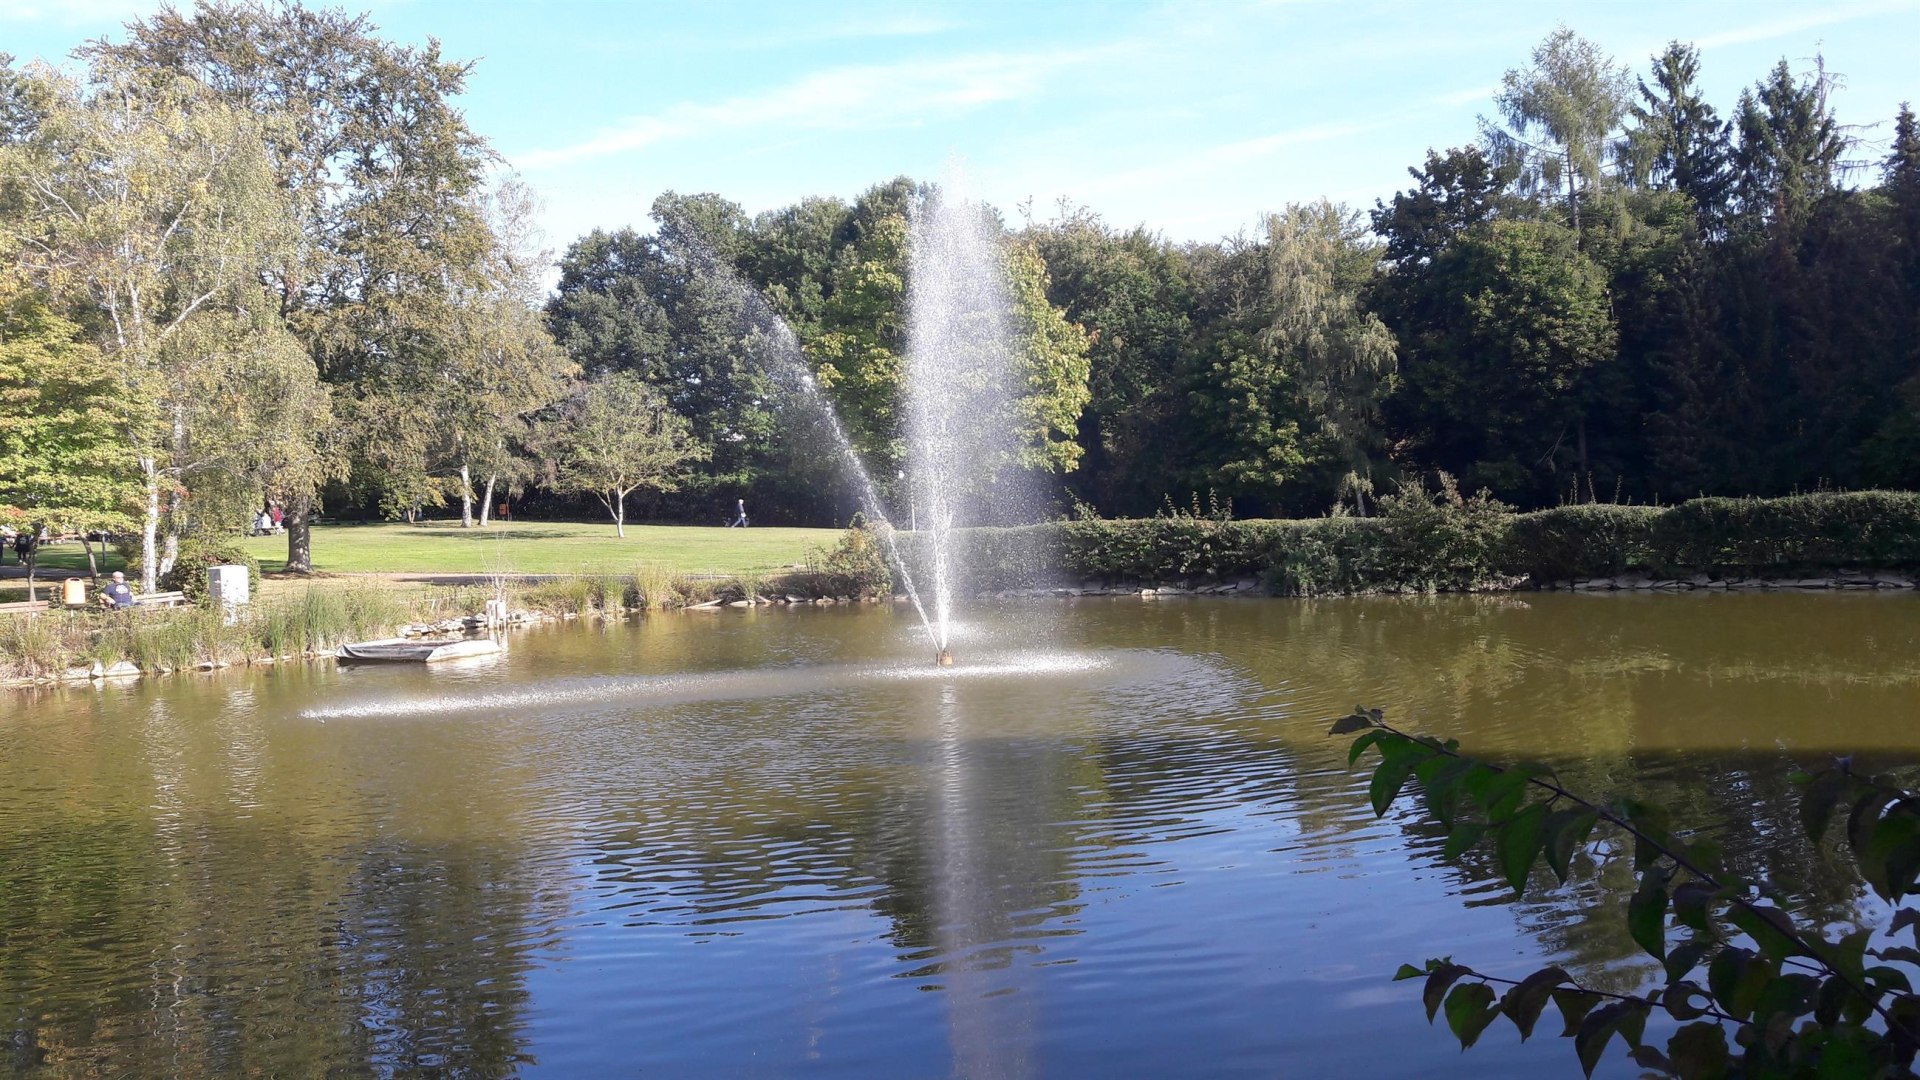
pixel 959 381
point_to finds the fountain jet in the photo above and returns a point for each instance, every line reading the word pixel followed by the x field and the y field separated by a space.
pixel 961 381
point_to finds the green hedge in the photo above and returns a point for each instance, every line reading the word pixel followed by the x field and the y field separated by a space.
pixel 1441 542
pixel 1571 542
pixel 1801 533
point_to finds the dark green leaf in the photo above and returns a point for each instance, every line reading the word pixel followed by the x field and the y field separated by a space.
pixel 1883 978
pixel 1574 1006
pixel 1833 995
pixel 1470 1009
pixel 1438 980
pixel 1864 816
pixel 1769 927
pixel 1679 1000
pixel 1479 779
pixel 1648 1058
pixel 1599 1027
pixel 1791 995
pixel 1505 791
pixel 1693 904
pixel 1647 914
pixel 1388 779
pixel 1724 975
pixel 1699 1051
pixel 1685 958
pixel 1360 747
pixel 1517 844
pixel 1440 778
pixel 1903 919
pixel 1523 1002
pixel 1904 954
pixel 1359 721
pixel 1816 805
pixel 1464 835
pixel 1651 832
pixel 1566 830
pixel 1407 971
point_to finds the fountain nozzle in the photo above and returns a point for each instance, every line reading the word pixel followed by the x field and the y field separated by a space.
pixel 944 658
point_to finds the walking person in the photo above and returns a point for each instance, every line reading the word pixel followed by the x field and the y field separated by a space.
pixel 740 521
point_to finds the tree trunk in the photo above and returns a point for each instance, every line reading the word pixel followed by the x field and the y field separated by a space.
pixel 150 527
pixel 33 563
pixel 93 568
pixel 486 504
pixel 620 515
pixel 466 497
pixel 1573 202
pixel 1581 442
pixel 299 535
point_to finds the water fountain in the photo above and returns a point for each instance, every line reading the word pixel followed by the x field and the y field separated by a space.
pixel 959 380
pixel 960 392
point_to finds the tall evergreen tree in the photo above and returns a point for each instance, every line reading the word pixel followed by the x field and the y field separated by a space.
pixel 1679 143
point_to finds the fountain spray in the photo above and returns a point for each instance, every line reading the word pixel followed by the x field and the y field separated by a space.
pixel 960 378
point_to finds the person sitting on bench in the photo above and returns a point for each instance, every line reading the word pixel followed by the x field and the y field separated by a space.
pixel 117 595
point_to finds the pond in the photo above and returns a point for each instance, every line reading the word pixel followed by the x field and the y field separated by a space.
pixel 1113 840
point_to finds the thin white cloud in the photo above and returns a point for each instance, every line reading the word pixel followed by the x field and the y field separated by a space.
pixel 1213 159
pixel 1468 97
pixel 72 12
pixel 1800 23
pixel 855 97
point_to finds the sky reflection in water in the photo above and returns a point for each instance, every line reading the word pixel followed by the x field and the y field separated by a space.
pixel 1113 841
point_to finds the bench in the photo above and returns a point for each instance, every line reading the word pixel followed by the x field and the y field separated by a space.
pixel 159 599
pixel 23 607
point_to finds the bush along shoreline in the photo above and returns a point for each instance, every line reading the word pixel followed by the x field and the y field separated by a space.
pixel 1422 541
pixel 79 646
pixel 1428 541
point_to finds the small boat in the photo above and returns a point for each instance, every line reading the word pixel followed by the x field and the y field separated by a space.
pixel 416 650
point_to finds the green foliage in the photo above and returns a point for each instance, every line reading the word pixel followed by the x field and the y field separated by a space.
pixel 856 566
pixel 1800 999
pixel 62 455
pixel 189 571
pixel 616 435
pixel 1581 541
pixel 1437 540
pixel 1829 531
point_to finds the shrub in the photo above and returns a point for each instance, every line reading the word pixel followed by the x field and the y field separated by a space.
pixel 856 566
pixel 1795 534
pixel 1567 542
pixel 197 553
pixel 1435 541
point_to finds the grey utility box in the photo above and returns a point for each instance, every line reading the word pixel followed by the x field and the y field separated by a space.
pixel 227 586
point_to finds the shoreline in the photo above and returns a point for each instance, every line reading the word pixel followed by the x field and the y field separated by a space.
pixel 475 625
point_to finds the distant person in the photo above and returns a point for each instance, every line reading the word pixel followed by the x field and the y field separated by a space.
pixel 504 513
pixel 740 520
pixel 278 515
pixel 118 595
pixel 262 525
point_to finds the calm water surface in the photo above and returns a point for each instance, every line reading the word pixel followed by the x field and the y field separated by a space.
pixel 1114 841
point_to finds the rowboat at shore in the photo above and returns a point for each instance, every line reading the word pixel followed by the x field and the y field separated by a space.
pixel 416 651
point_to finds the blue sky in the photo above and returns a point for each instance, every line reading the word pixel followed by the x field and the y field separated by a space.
pixel 1192 118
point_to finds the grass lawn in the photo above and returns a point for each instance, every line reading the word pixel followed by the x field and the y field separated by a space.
pixel 524 547
pixel 545 547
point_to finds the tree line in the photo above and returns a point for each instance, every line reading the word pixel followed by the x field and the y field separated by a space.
pixel 254 252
